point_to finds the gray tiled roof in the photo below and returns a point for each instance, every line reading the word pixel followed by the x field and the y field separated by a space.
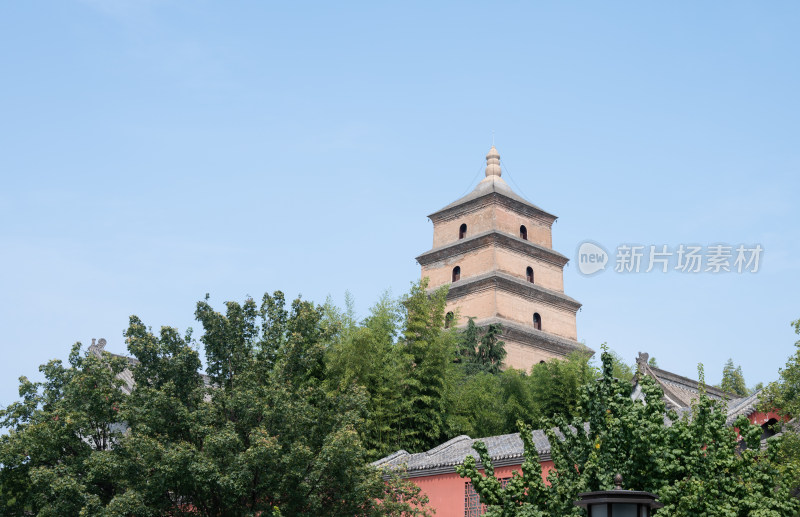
pixel 680 392
pixel 744 406
pixel 505 449
pixel 489 185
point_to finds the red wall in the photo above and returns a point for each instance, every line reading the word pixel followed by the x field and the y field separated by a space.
pixel 446 491
pixel 759 418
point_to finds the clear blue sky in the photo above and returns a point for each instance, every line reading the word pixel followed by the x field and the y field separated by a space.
pixel 155 151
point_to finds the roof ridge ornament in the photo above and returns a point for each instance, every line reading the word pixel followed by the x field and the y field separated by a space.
pixel 98 346
pixel 493 163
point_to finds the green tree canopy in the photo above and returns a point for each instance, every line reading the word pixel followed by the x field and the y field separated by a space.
pixel 427 349
pixel 58 456
pixel 264 434
pixel 557 384
pixel 486 404
pixel 783 396
pixel 733 379
pixel 368 356
pixel 481 349
pixel 621 370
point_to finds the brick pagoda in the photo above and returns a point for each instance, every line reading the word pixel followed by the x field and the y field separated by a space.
pixel 495 249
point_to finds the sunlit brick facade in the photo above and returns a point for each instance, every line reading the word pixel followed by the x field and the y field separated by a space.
pixel 495 250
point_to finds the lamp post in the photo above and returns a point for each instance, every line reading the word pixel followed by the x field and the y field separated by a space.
pixel 618 502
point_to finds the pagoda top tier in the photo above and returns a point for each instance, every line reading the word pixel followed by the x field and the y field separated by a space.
pixel 493 183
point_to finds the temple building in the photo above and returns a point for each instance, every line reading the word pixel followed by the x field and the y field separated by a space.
pixel 495 250
pixel 450 495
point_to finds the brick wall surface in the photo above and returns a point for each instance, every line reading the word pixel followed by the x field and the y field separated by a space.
pixel 473 263
pixel 555 320
pixel 545 274
pixel 476 305
pixel 523 357
pixel 491 217
pixel 495 258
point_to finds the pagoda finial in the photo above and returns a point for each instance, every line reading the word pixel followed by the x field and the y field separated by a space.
pixel 493 163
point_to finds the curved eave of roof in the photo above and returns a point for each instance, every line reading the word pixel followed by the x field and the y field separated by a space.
pixel 394 459
pixel 670 382
pixel 528 334
pixel 504 450
pixel 492 237
pixel 744 406
pixel 688 384
pixel 510 283
pixel 488 186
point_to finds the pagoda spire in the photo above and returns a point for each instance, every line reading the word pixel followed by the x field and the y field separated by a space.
pixel 493 163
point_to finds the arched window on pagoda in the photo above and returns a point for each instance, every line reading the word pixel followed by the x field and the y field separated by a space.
pixel 529 274
pixel 537 321
pixel 456 273
pixel 523 233
pixel 462 232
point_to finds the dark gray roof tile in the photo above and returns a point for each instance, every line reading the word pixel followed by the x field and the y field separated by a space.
pixel 504 449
